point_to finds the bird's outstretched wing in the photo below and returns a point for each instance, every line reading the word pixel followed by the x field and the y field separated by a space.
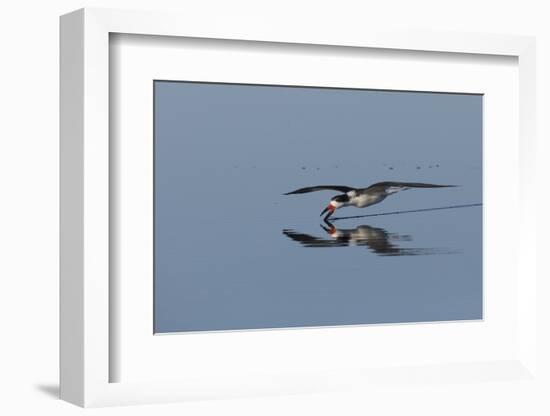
pixel 338 188
pixel 391 187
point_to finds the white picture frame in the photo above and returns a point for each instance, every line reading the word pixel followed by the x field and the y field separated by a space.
pixel 86 166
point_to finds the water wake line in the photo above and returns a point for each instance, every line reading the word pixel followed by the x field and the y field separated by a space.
pixel 406 212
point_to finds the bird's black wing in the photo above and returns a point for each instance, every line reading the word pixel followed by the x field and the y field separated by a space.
pixel 390 187
pixel 343 189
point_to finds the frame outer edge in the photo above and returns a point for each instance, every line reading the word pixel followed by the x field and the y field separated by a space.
pixel 71 155
pixel 84 175
pixel 527 264
pixel 95 182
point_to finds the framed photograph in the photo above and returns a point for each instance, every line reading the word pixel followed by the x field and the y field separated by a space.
pixel 250 210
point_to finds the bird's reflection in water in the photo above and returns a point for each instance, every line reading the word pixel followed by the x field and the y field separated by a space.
pixel 377 240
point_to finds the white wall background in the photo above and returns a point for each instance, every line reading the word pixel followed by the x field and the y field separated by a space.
pixel 29 189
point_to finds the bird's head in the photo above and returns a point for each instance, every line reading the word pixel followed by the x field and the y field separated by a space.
pixel 335 202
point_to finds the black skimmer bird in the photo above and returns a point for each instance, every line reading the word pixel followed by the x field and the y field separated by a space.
pixel 362 197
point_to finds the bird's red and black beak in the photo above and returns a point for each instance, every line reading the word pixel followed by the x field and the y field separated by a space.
pixel 330 230
pixel 329 209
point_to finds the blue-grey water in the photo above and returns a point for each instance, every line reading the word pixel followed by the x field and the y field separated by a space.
pixel 232 252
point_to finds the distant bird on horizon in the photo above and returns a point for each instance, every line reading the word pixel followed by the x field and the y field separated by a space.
pixel 362 197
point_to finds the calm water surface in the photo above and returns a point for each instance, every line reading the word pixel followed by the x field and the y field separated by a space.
pixel 231 252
